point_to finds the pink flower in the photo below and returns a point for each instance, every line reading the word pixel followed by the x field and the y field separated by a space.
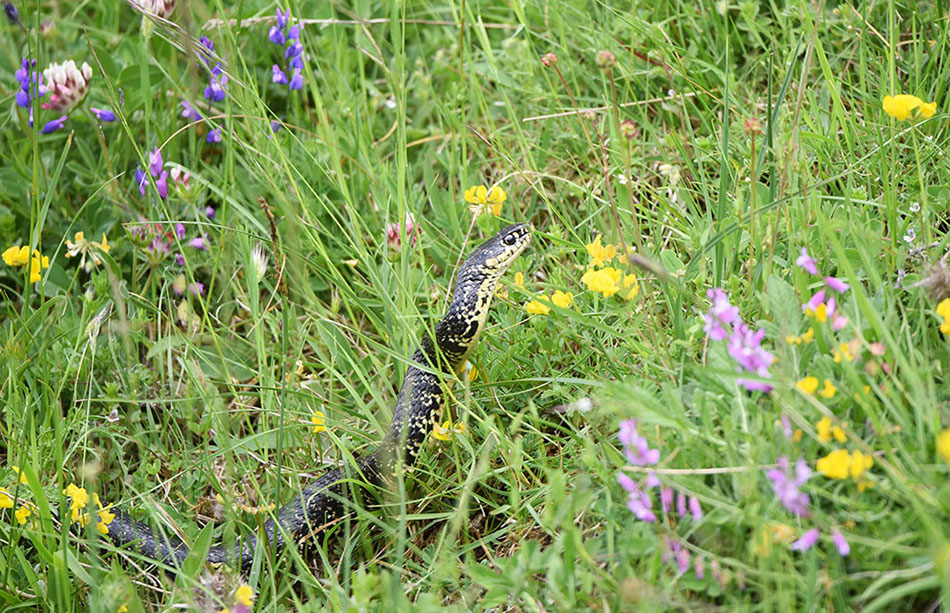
pixel 666 499
pixel 806 541
pixel 695 509
pixel 720 314
pixel 815 301
pixel 681 504
pixel 699 567
pixel 652 480
pixel 806 262
pixel 837 284
pixel 394 235
pixel 843 548
pixel 636 447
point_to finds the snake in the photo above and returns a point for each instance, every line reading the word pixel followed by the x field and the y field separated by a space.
pixel 440 359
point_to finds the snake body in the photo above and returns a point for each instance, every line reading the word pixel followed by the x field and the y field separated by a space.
pixel 440 357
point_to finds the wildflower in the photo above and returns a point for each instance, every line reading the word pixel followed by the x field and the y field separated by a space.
pixel 807 262
pixel 161 183
pixel 636 448
pixel 103 114
pixel 519 281
pixel 605 60
pixel 319 420
pixel 603 281
pixel 681 555
pixel 666 499
pixel 52 126
pixel 282 18
pixel 814 303
pixel 197 288
pixel 808 385
pixel 943 311
pixel 828 391
pixel 159 8
pixel 695 509
pixel 6 500
pixel 745 347
pixel 294 32
pixel 600 254
pixel 826 431
pixel 860 462
pixel 752 126
pixel 296 81
pixel 482 200
pixel 628 129
pixel 445 430
pixel 837 284
pixel 638 501
pixel 842 352
pixel 394 235
pixel 22 514
pixel 21 476
pixel 806 541
pixel 190 112
pixel 293 50
pixel 18 256
pixel 259 259
pixel 155 161
pixel 548 60
pixel 296 62
pixel 562 299
pixel 180 284
pixel 910 236
pixel 244 595
pixel 31 85
pixel 835 465
pixel 216 90
pixel 67 84
pixel 12 14
pixel 274 126
pixel 699 567
pixel 841 544
pixel 276 35
pixel 652 480
pixel 214 136
pixel 681 504
pixel 105 516
pixel 631 282
pixel 786 487
pixel 903 106
pixel 278 75
pixel 720 314
pixel 535 307
pixel 181 178
pixel 804 339
pixel 88 250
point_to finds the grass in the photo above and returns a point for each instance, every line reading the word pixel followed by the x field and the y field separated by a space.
pixel 195 410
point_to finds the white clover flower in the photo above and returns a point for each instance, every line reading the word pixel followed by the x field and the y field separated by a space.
pixel 67 84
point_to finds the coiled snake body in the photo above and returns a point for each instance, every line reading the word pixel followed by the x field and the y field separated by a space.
pixel 420 401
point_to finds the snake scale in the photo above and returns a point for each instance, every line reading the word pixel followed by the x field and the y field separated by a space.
pixel 420 402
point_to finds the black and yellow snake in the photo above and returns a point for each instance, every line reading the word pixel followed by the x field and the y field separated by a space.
pixel 419 403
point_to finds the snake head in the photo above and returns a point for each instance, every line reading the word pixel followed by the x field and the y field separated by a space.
pixel 494 256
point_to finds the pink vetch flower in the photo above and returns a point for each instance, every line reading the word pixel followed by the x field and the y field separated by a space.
pixel 786 486
pixel 806 541
pixel 681 555
pixel 787 427
pixel 695 509
pixel 394 235
pixel 636 447
pixel 197 288
pixel 699 567
pixel 199 242
pixel 652 480
pixel 720 314
pixel 155 162
pixel 638 501
pixel 666 499
pixel 837 284
pixel 841 544
pixel 745 347
pixel 180 231
pixel 67 84
pixel 815 301
pixel 681 504
pixel 807 262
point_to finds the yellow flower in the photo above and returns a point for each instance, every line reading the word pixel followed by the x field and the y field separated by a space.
pixel 22 475
pixel 482 199
pixel 87 249
pixel 835 465
pixel 943 310
pixel 804 339
pixel 6 500
pixel 603 281
pixel 860 462
pixel 123 609
pixel 820 314
pixel 534 307
pixel 629 280
pixel 824 430
pixel 562 299
pixel 828 391
pixel 319 420
pixel 444 431
pixel 79 496
pixel 22 514
pixel 943 445
pixel 519 280
pixel 37 262
pixel 808 385
pixel 16 256
pixel 842 352
pixel 902 106
pixel 244 595
pixel 105 516
pixel 600 254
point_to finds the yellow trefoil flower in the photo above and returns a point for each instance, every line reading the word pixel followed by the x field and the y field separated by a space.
pixel 835 465
pixel 860 462
pixel 819 314
pixel 105 516
pixel 804 339
pixel 808 385
pixel 319 420
pixel 826 431
pixel 600 254
pixel 6 500
pixel 534 307
pixel 842 352
pixel 943 310
pixel 79 496
pixel 444 431
pixel 628 281
pixel 903 106
pixel 244 595
pixel 482 200
pixel 21 475
pixel 16 256
pixel 604 281
pixel 22 514
pixel 828 391
pixel 943 445
pixel 562 299
pixel 519 280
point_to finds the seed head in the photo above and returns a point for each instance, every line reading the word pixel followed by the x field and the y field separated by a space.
pixel 605 60
pixel 549 59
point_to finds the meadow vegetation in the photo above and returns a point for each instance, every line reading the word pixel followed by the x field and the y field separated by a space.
pixel 715 380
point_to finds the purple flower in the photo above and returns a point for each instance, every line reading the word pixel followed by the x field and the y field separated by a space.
pixel 206 43
pixel 720 314
pixel 162 184
pixel 815 301
pixel 214 136
pixel 275 125
pixel 837 284
pixel 681 554
pixel 190 112
pixel 103 114
pixel 282 18
pixel 296 81
pixel 843 547
pixel 681 504
pixel 197 288
pixel 787 427
pixel 636 448
pixel 216 89
pixel 155 162
pixel 638 501
pixel 209 212
pixel 294 32
pixel 786 486
pixel 276 36
pixel 179 259
pixel 23 99
pixel 278 76
pixel 666 499
pixel 180 231
pixel 806 541
pixel 699 567
pixel 31 83
pixel 199 242
pixel 293 50
pixel 806 262
pixel 296 62
pixel 140 180
pixel 158 246
pixel 52 126
pixel 745 347
pixel 652 480
pixel 12 14
pixel 694 509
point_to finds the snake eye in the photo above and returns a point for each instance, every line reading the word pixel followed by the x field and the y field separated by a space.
pixel 509 240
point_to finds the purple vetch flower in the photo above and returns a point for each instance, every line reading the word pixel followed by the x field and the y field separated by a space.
pixel 837 284
pixel 652 480
pixel 787 427
pixel 209 212
pixel 806 541
pixel 207 43
pixel 296 62
pixel 695 509
pixel 638 501
pixel 275 125
pixel 278 75
pixel 699 567
pixel 282 18
pixel 199 242
pixel 12 14
pixel 52 126
pixel 841 544
pixel 162 184
pixel 180 231
pixel 103 114
pixel 806 262
pixel 296 81
pixel 293 50
pixel 216 89
pixel 786 486
pixel 155 162
pixel 140 180
pixel 815 301
pixel 158 246
pixel 745 347
pixel 666 499
pixel 636 448
pixel 214 136
pixel 681 555
pixel 180 260
pixel 681 504
pixel 276 36
pixel 294 32
pixel 31 85
pixel 190 113
pixel 197 288
pixel 720 314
